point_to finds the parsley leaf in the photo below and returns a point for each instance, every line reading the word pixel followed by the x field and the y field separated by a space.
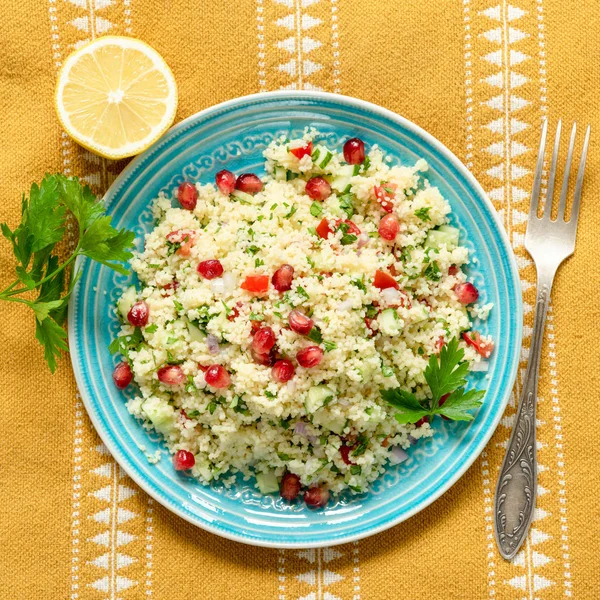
pixel 302 292
pixel 43 224
pixel 432 272
pixel 446 377
pixel 347 204
pixel 329 346
pixel 315 335
pixel 316 210
pixel 348 239
pixel 423 213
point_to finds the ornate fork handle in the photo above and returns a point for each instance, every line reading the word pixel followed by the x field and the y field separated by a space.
pixel 516 489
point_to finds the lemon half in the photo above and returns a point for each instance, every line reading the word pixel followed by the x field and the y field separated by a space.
pixel 116 96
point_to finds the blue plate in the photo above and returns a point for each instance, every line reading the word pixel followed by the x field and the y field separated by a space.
pixel 233 135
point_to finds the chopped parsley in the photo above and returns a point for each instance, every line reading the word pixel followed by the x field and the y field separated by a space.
pixel 302 292
pixel 361 445
pixel 387 371
pixel 360 283
pixel 312 231
pixel 346 204
pixel 355 469
pixel 258 262
pixel 151 328
pixel 423 213
pixel 256 317
pixel 432 272
pixel 252 250
pixel 285 423
pixel 329 346
pixel 292 211
pixel 315 335
pixel 316 209
pixel 283 456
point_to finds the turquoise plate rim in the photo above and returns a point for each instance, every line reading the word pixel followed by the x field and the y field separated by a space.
pixel 510 369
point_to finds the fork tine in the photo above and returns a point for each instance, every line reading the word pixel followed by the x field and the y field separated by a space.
pixel 552 177
pixel 579 182
pixel 565 185
pixel 535 192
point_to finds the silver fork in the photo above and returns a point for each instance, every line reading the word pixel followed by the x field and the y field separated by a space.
pixel 549 243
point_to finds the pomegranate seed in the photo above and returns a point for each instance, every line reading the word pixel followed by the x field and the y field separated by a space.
pixel 318 188
pixel 302 151
pixel 466 293
pixel 483 347
pixel 257 284
pixel 385 194
pixel 345 452
pixel 299 322
pixel 263 340
pixel 138 314
pixel 389 227
pixel 183 460
pixel 217 377
pixel 316 496
pixel 210 269
pixel 354 151
pixel 225 181
pixel 453 270
pixel 383 281
pixel 255 326
pixel 309 357
pixel 187 194
pixel 282 278
pixel 267 358
pixel 122 375
pixel 203 368
pixel 283 370
pixel 249 183
pixel 171 375
pixel 289 487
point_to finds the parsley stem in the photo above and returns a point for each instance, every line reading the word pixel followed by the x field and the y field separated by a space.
pixel 10 292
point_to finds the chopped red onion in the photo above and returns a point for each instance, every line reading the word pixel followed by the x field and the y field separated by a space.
pixel 391 296
pixel 412 440
pixel 344 306
pixel 397 455
pixel 314 440
pixel 300 428
pixel 213 344
pixel 217 286
pixel 363 240
pixel 229 282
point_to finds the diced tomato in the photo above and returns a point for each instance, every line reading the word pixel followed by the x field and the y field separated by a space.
pixel 385 195
pixel 323 230
pixel 369 324
pixel 303 151
pixel 439 344
pixel 234 313
pixel 257 284
pixel 384 280
pixel 483 347
pixel 422 421
pixel 453 270
pixel 386 441
pixel 345 453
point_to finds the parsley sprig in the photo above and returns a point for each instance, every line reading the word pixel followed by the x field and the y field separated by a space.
pixel 41 270
pixel 446 377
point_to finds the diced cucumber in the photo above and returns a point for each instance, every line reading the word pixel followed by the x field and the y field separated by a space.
pixel 348 170
pixel 280 174
pixel 196 334
pixel 389 323
pixel 325 419
pixel 126 301
pixel 202 467
pixel 325 160
pixel 445 235
pixel 317 396
pixel 243 197
pixel 161 415
pixel 341 184
pixel 267 482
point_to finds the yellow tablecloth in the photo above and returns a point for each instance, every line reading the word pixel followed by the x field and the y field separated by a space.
pixel 479 75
